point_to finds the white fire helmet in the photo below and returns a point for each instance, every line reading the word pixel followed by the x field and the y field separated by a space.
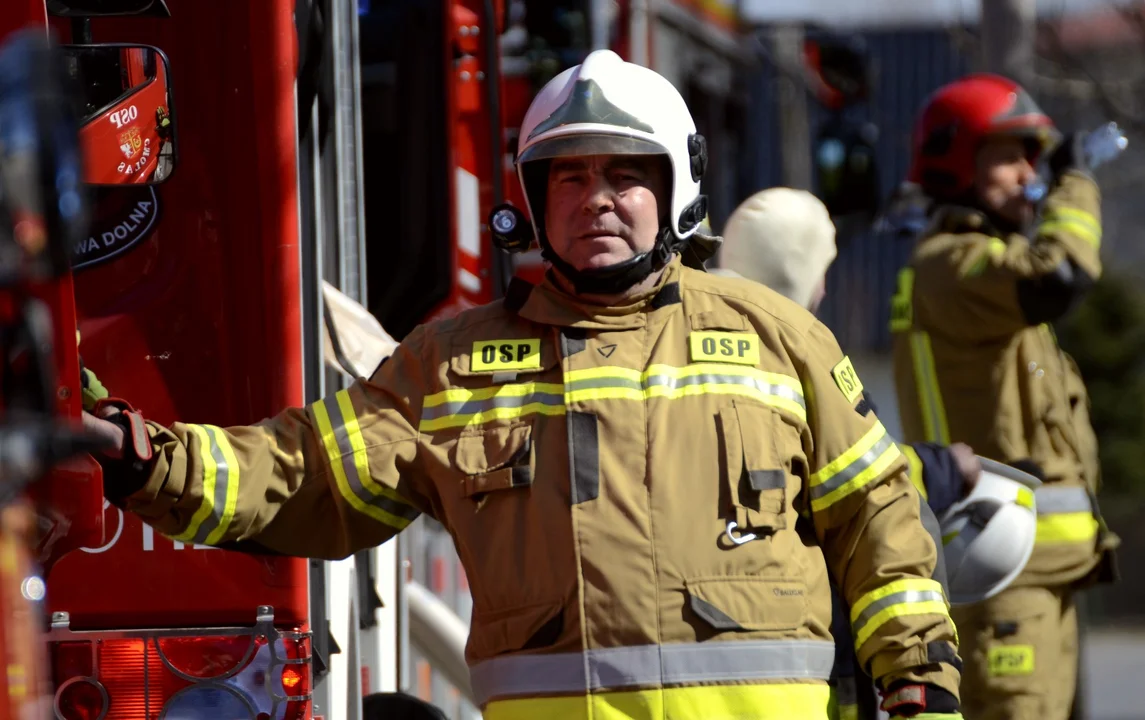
pixel 989 535
pixel 606 106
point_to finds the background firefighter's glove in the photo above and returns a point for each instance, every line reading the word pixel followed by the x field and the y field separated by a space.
pixel 92 389
pixel 920 701
pixel 1069 155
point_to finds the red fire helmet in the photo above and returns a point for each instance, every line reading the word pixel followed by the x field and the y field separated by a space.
pixel 958 117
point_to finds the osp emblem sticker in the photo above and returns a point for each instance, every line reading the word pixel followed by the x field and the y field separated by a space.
pixel 130 142
pixel 121 218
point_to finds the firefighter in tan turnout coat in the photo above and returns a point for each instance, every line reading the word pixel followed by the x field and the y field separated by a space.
pixel 976 361
pixel 649 472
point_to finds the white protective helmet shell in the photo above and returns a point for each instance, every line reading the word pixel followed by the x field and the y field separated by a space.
pixel 608 106
pixel 988 536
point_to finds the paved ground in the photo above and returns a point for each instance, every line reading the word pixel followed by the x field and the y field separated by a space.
pixel 1114 675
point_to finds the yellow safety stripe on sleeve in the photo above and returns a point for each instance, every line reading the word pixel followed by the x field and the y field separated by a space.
pixel 1064 528
pixel 349 462
pixel 915 463
pixel 773 701
pixel 854 469
pixel 1065 515
pixel 929 394
pixel 463 408
pixel 993 249
pixel 901 598
pixel 1073 221
pixel 220 487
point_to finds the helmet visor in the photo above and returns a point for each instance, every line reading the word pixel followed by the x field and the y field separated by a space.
pixel 595 144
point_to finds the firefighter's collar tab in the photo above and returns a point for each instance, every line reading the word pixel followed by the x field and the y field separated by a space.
pixel 549 304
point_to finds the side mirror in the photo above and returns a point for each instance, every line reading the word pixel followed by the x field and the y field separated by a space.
pixel 847 178
pixel 107 8
pixel 128 127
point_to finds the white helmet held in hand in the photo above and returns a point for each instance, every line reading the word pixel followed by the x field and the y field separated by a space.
pixel 988 536
pixel 606 106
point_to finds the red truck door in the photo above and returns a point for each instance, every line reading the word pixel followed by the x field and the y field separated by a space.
pixel 188 301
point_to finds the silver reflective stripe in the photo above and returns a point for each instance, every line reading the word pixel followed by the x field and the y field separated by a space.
pixel 651 665
pixel 604 382
pixel 472 407
pixel 779 391
pixel 1053 500
pixel 849 473
pixel 906 597
pixel 224 476
pixel 353 478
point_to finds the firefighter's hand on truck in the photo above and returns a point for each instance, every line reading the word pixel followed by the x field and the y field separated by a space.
pixel 109 431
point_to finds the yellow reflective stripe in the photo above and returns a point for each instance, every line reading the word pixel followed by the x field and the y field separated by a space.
pixel 335 455
pixel 1063 528
pixel 929 395
pixel 994 249
pixel 722 369
pixel 776 701
pixel 854 469
pixel 1075 215
pixel 1070 220
pixel 361 458
pixel 596 373
pixel 210 473
pixel 1072 228
pixel 515 390
pixel 461 408
pixel 915 463
pixel 232 496
pixel 779 391
pixel 220 487
pixel 901 598
pixel 480 418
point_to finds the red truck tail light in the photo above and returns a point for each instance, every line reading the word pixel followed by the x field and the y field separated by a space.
pixel 82 699
pixel 258 673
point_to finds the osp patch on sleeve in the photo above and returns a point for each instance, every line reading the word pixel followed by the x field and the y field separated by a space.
pixel 1011 660
pixel 726 347
pixel 847 379
pixel 519 354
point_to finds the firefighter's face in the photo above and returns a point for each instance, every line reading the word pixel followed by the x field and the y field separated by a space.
pixel 604 209
pixel 1004 168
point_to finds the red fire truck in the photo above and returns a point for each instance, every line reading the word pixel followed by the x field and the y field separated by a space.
pixel 242 157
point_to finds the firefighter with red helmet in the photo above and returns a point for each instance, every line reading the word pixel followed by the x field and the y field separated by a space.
pixel 976 361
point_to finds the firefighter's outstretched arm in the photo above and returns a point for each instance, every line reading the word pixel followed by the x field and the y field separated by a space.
pixel 1013 283
pixel 867 517
pixel 326 480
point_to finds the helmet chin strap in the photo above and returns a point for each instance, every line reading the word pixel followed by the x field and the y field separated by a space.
pixel 615 279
